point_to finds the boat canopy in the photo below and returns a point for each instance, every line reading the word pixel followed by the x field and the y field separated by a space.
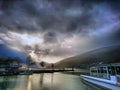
pixel 105 70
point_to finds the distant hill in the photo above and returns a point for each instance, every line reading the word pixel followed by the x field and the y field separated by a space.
pixel 7 52
pixel 109 54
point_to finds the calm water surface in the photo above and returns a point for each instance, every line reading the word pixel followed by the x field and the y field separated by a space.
pixel 56 81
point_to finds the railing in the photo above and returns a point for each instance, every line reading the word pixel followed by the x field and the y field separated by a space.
pixel 118 78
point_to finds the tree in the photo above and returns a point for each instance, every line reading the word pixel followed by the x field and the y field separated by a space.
pixel 52 66
pixel 42 64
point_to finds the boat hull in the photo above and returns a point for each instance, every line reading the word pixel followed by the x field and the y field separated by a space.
pixel 101 82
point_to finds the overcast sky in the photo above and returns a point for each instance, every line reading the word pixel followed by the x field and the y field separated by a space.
pixel 51 30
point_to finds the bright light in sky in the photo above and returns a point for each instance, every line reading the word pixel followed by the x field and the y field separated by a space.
pixel 51 59
pixel 28 39
pixel 34 56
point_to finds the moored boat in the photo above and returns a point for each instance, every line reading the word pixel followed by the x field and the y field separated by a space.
pixel 106 75
pixel 25 72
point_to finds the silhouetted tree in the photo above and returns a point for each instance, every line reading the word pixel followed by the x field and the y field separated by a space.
pixel 52 66
pixel 42 64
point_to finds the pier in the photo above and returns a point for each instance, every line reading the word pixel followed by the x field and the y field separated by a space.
pixel 48 70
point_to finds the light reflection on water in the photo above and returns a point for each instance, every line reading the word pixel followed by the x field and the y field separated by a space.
pixel 56 81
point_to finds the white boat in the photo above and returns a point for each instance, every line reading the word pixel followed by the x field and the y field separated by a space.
pixel 105 75
pixel 25 72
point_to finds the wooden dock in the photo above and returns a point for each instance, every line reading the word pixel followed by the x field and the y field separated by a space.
pixel 48 70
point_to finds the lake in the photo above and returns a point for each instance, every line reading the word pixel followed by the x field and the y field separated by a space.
pixel 45 81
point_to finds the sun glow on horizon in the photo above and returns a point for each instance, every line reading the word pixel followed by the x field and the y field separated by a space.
pixel 51 59
pixel 34 56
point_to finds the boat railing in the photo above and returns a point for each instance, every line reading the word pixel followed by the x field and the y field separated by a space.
pixel 106 71
pixel 100 72
pixel 118 78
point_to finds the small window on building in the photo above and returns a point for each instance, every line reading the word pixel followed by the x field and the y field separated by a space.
pixel 118 70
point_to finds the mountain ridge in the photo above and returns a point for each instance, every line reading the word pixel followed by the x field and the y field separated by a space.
pixel 100 55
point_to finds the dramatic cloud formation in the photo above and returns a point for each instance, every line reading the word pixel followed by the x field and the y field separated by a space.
pixel 51 30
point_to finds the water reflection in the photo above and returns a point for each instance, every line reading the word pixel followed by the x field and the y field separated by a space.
pixel 56 81
pixel 5 82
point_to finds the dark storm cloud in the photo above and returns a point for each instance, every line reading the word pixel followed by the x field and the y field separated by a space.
pixel 57 15
pixel 115 35
pixel 40 15
pixel 59 27
pixel 50 37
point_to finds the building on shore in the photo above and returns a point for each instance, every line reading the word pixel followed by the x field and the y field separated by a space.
pixel 9 66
